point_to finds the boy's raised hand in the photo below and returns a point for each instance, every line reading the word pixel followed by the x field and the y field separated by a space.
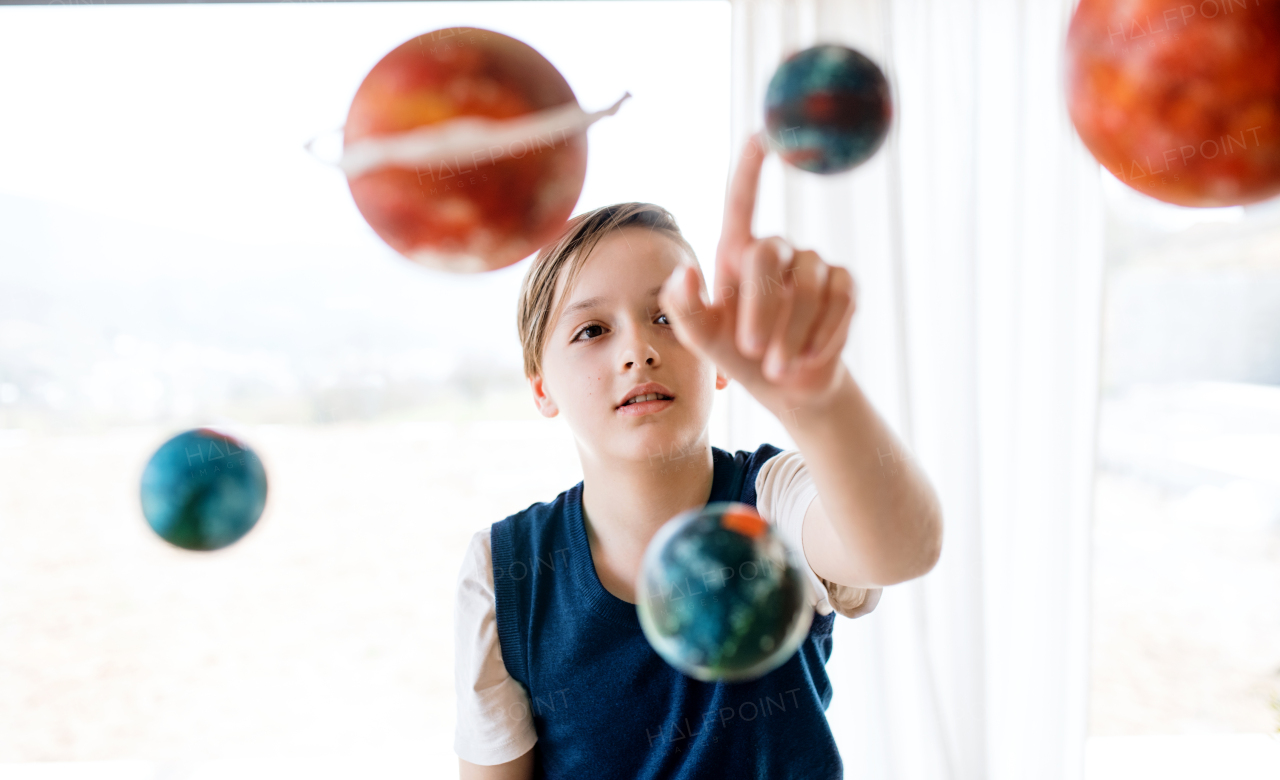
pixel 780 317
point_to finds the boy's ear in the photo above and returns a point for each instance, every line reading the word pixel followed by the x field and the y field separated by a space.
pixel 546 406
pixel 722 381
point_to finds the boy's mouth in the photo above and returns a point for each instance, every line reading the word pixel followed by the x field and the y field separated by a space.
pixel 636 408
pixel 645 399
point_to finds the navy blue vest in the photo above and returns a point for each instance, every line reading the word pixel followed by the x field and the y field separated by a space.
pixel 605 705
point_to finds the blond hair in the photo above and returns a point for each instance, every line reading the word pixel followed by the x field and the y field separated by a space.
pixel 537 306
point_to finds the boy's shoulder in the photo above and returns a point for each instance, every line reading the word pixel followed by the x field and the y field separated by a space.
pixel 541 514
pixel 744 466
pixel 750 457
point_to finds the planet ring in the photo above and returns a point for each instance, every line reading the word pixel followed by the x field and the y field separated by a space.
pixel 477 140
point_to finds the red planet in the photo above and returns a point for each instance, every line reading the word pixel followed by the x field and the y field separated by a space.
pixel 1180 99
pixel 492 204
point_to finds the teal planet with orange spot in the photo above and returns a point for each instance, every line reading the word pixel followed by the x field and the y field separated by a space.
pixel 720 596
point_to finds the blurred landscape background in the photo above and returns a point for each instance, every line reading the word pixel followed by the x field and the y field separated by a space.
pixel 200 329
pixel 1186 585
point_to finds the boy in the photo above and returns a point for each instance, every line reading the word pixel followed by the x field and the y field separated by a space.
pixel 554 676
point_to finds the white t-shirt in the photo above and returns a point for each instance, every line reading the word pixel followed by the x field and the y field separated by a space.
pixel 494 724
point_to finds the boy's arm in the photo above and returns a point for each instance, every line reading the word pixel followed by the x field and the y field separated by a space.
pixel 519 769
pixel 876 520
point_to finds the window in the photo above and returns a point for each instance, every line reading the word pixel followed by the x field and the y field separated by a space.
pixel 170 256
pixel 1186 583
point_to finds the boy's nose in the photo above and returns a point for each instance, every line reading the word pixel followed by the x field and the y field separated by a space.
pixel 639 351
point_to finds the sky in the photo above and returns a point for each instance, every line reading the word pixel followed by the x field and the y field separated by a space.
pixel 161 222
pixel 194 117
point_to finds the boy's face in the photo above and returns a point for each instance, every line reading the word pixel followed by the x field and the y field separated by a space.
pixel 610 341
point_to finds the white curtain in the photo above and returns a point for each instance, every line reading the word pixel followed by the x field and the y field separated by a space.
pixel 976 239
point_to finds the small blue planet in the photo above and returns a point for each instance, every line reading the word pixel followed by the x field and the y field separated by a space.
pixel 203 490
pixel 827 109
pixel 720 596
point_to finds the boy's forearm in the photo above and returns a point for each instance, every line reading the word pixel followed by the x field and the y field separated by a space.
pixel 878 503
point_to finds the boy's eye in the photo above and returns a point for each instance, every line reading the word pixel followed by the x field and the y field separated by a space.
pixel 588 329
pixel 663 319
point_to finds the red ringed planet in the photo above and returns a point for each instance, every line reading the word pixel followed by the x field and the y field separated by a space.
pixel 465 150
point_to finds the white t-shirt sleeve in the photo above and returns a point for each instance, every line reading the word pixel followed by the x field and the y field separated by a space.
pixel 494 724
pixel 784 491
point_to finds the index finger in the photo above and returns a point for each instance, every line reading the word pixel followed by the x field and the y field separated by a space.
pixel 740 202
